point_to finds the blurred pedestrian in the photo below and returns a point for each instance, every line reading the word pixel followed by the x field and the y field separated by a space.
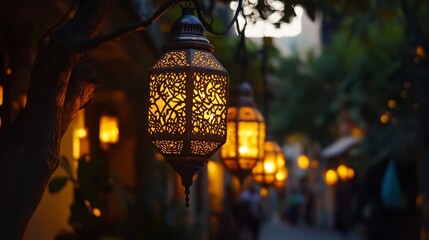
pixel 252 210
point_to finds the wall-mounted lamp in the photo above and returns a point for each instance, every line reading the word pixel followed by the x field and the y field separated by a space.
pixel 109 130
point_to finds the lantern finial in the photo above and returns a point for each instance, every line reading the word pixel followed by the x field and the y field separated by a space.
pixel 186 168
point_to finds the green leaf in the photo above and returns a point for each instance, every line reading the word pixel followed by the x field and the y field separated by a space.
pixel 57 184
pixel 64 163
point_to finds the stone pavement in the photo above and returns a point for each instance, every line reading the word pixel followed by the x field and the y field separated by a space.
pixel 276 230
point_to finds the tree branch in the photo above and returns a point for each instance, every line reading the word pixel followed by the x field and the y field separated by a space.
pixel 82 85
pixel 30 147
pixel 88 44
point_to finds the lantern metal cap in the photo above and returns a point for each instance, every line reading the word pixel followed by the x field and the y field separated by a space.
pixel 244 93
pixel 187 32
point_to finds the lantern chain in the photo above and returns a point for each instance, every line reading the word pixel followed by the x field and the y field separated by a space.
pixel 241 52
pixel 208 25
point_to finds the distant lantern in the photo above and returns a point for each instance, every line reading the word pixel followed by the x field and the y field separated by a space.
pixel 303 162
pixel 266 170
pixel 342 171
pixel 109 130
pixel 187 100
pixel 331 177
pixel 244 146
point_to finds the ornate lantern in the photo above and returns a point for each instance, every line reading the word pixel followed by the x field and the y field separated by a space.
pixel 265 170
pixel 244 146
pixel 188 99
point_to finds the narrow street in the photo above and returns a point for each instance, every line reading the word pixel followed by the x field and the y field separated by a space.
pixel 276 230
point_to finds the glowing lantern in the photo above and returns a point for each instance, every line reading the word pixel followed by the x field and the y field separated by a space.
pixel 109 130
pixel 244 146
pixel 303 162
pixel 342 171
pixel 265 170
pixel 188 99
pixel 331 177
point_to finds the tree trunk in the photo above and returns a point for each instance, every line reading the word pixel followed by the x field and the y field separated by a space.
pixel 62 82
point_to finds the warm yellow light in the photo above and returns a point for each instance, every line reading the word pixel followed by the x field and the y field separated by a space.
pixel 342 171
pixel 109 131
pixel 384 118
pixel 245 136
pixel 391 103
pixel 314 164
pixel 331 177
pixel 263 192
pixel 269 167
pixel 350 173
pixel 243 149
pixel 303 162
pixel 266 169
pixel 420 52
pixel 215 184
pixel 281 174
pixel 357 132
pixel 80 143
pixel 81 133
pixel 1 95
pixel 96 212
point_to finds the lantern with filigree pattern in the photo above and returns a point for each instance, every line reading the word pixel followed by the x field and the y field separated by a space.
pixel 188 99
pixel 266 170
pixel 244 146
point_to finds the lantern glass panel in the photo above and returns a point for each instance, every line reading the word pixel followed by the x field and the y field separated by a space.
pixel 248 139
pixel 167 110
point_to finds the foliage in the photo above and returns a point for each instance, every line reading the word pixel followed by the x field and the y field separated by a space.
pixel 358 72
pixel 88 211
pixel 147 215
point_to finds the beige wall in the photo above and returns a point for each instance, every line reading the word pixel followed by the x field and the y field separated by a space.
pixel 52 214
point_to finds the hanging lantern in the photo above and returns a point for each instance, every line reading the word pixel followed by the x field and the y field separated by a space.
pixel 188 99
pixel 265 170
pixel 244 146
